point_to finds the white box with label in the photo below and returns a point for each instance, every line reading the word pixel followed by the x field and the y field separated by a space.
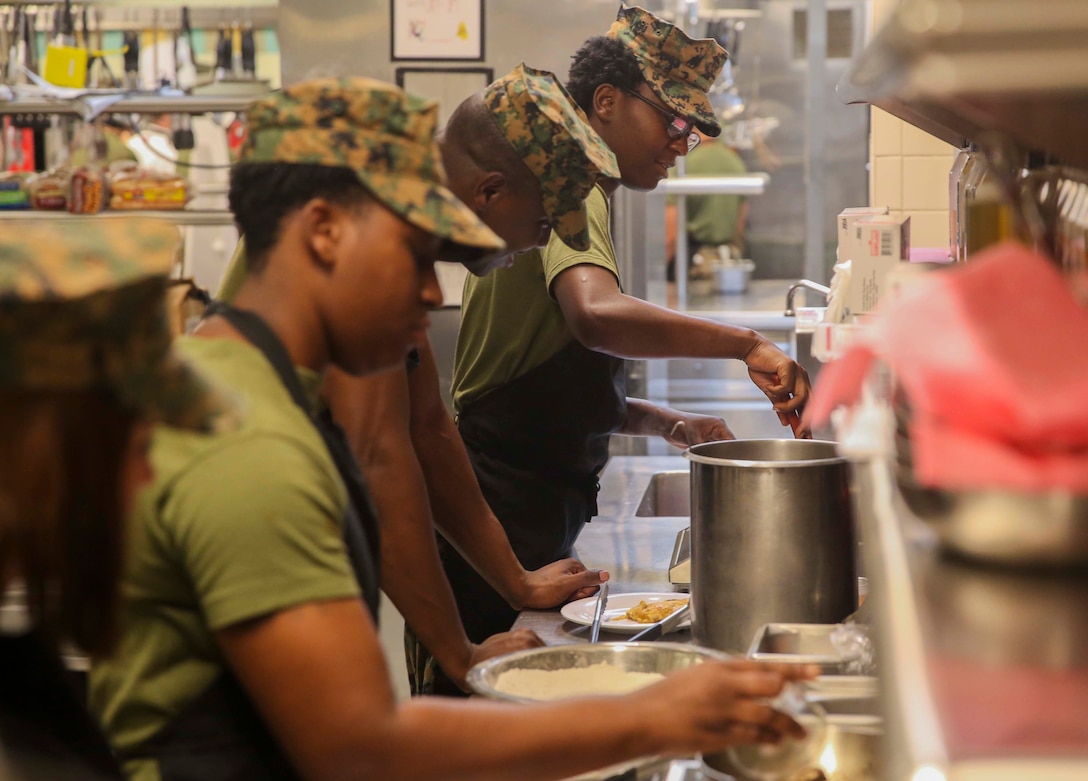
pixel 846 221
pixel 877 244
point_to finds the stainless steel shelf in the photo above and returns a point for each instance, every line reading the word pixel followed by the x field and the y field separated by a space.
pixel 186 217
pixel 135 104
pixel 746 184
pixel 963 69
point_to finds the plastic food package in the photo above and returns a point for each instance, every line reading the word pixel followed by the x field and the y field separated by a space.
pixel 88 191
pixel 13 191
pixel 49 190
pixel 141 189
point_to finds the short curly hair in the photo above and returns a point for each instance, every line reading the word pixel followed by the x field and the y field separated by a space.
pixel 262 194
pixel 600 61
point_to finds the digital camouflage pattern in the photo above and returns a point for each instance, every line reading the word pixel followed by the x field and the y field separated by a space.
pixel 383 134
pixel 82 307
pixel 680 70
pixel 552 136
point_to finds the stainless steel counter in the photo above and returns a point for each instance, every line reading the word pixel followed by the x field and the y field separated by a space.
pixel 635 550
pixel 984 670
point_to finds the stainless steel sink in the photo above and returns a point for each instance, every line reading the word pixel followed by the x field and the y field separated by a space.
pixel 668 494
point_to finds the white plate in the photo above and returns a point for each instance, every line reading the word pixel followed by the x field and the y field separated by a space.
pixel 581 611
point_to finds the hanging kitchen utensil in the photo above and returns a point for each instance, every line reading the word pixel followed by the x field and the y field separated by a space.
pixel 185 75
pixel 249 52
pixel 223 54
pixel 132 59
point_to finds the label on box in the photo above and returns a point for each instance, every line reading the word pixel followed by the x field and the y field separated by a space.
pixel 878 245
pixel 846 221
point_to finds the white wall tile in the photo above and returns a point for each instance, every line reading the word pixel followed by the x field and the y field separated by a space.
pixel 929 228
pixel 919 142
pixel 925 182
pixel 885 133
pixel 886 183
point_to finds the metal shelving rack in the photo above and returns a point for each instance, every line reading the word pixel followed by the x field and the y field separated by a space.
pixel 149 103
pixel 132 103
pixel 180 217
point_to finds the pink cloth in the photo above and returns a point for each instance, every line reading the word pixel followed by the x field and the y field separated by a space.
pixel 991 356
pixel 930 255
pixel 994 710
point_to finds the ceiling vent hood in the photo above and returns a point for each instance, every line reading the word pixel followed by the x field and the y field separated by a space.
pixel 961 69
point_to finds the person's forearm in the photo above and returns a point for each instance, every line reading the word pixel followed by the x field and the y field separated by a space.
pixel 374 414
pixel 412 574
pixel 645 419
pixel 536 743
pixel 459 509
pixel 628 327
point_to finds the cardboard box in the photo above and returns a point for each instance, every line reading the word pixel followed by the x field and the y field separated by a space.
pixel 845 222
pixel 877 244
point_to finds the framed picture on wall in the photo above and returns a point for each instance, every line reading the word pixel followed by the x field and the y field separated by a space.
pixel 437 29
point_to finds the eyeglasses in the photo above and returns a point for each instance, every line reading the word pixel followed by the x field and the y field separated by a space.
pixel 678 126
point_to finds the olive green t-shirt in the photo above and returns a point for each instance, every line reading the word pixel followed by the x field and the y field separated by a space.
pixel 712 219
pixel 510 322
pixel 235 526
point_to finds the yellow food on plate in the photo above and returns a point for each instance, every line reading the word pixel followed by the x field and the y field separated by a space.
pixel 652 612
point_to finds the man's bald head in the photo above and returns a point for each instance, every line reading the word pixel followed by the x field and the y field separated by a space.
pixel 472 144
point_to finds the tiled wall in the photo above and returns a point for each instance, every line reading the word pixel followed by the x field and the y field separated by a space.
pixel 909 168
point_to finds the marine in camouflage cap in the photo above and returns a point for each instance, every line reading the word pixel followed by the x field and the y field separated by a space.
pixel 551 134
pixel 679 69
pixel 82 307
pixel 383 134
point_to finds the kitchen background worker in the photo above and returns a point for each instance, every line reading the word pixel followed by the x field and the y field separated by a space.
pixel 539 379
pixel 248 650
pixel 522 156
pixel 713 221
pixel 85 367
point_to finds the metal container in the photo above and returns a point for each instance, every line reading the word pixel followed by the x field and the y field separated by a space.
pixel 733 277
pixel 798 644
pixel 773 538
pixel 634 657
pixel 1033 530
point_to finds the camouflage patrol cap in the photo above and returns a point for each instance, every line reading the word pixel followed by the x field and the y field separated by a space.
pixel 551 134
pixel 680 70
pixel 82 307
pixel 383 134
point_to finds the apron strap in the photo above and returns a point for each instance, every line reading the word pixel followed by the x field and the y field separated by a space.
pixel 361 530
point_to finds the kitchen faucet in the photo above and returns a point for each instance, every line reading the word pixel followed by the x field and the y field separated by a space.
pixel 805 283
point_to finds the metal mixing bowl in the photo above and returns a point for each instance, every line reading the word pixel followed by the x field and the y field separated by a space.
pixel 1042 529
pixel 633 657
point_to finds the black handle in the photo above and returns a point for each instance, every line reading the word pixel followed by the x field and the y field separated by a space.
pixel 224 51
pixel 132 51
pixel 249 52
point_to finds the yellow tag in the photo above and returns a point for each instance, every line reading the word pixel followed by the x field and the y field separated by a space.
pixel 462 31
pixel 65 66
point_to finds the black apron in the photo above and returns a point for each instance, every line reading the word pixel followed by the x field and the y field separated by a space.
pixel 220 736
pixel 537 445
pixel 46 732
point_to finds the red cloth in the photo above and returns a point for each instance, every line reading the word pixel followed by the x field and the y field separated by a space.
pixel 991 356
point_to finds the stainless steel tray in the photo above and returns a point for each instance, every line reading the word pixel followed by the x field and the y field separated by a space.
pixel 798 644
pixel 680 562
